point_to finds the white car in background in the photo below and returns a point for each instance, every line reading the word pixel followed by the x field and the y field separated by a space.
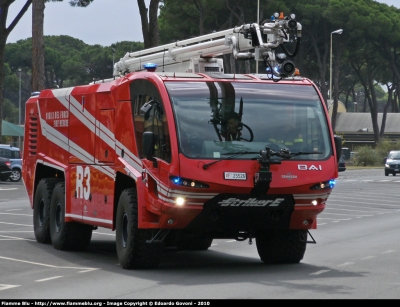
pixel 14 155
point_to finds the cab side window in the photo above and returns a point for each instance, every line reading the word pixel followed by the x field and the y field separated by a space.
pixel 143 91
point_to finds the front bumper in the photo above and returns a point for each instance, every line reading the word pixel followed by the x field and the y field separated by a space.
pixel 226 215
pixel 392 169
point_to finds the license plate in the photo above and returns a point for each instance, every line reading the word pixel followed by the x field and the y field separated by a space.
pixel 235 176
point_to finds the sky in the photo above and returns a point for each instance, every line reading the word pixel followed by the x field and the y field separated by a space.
pixel 103 22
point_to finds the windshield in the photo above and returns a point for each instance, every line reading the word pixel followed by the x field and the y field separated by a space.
pixel 395 155
pixel 215 119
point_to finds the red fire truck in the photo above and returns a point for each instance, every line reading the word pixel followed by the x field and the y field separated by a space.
pixel 146 152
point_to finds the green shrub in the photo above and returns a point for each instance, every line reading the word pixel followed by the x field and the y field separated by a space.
pixel 367 155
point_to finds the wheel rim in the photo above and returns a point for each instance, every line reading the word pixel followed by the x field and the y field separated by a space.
pixel 58 217
pixel 41 213
pixel 15 175
pixel 124 229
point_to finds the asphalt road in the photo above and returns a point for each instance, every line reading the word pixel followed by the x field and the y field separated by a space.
pixel 355 256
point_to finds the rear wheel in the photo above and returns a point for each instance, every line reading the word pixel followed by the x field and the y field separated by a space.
pixel 132 249
pixel 41 209
pixel 66 236
pixel 15 175
pixel 281 246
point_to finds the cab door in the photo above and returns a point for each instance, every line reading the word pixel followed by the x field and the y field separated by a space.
pixel 155 121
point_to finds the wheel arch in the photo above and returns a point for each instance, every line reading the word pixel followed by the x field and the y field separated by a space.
pixel 122 182
pixel 46 171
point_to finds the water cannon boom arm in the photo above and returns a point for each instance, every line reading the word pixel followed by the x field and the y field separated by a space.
pixel 249 41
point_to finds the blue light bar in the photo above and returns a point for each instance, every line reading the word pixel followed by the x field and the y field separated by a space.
pixel 150 66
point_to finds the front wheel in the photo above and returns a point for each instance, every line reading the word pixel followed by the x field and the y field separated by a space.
pixel 66 236
pixel 281 246
pixel 133 250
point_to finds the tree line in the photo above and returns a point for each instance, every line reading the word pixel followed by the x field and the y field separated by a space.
pixel 364 55
pixel 67 62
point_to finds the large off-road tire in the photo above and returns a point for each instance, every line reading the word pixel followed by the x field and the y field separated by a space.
pixel 194 243
pixel 41 209
pixel 132 250
pixel 281 246
pixel 66 236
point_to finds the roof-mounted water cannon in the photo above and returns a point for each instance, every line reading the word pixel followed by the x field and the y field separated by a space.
pixel 284 67
pixel 269 35
pixel 279 29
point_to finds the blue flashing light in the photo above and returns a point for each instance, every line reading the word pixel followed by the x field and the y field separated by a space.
pixel 330 184
pixel 277 70
pixel 272 18
pixel 150 67
pixel 189 183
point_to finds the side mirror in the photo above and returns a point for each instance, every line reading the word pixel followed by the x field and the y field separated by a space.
pixel 148 146
pixel 338 146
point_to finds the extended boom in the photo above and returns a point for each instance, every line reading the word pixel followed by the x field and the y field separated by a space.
pixel 198 54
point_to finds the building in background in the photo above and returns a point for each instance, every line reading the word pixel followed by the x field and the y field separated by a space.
pixel 357 130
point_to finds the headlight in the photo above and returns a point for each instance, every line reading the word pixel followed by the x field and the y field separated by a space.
pixel 188 182
pixel 324 185
pixel 180 201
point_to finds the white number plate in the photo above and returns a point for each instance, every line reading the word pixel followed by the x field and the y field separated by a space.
pixel 235 176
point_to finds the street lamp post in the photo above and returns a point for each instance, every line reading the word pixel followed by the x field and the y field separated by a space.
pixel 19 105
pixel 340 31
pixel 258 22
